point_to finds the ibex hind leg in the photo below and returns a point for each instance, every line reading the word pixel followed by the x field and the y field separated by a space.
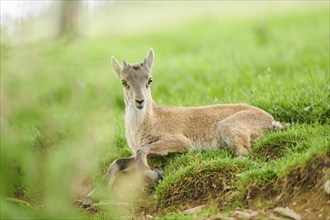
pixel 237 138
pixel 242 128
pixel 237 130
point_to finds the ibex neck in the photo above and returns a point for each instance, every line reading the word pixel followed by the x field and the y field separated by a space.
pixel 134 118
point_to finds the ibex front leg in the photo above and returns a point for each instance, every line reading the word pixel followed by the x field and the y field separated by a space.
pixel 161 148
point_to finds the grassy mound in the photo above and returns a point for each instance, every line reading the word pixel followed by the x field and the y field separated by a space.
pixel 273 175
pixel 62 117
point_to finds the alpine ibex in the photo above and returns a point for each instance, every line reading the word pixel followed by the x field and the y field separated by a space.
pixel 152 129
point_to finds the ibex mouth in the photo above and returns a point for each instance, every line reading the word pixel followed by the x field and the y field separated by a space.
pixel 139 107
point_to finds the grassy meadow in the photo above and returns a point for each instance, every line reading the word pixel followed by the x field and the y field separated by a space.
pixel 62 115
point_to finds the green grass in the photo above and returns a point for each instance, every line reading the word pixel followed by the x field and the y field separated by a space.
pixel 62 109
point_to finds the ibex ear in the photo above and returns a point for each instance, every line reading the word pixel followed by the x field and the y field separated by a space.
pixel 149 59
pixel 115 65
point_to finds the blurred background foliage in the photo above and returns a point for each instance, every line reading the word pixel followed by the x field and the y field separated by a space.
pixel 62 110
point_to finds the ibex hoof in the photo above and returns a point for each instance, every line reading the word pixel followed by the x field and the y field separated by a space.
pixel 87 202
pixel 159 175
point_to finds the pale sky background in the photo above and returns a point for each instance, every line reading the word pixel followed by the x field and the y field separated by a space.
pixel 13 9
pixel 19 9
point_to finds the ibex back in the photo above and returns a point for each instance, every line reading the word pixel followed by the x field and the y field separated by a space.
pixel 152 129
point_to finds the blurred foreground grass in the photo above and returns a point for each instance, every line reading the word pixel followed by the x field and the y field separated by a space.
pixel 62 110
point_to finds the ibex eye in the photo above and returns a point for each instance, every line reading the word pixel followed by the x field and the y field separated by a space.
pixel 124 83
pixel 150 81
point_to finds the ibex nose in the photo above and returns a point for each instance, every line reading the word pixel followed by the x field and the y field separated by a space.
pixel 139 101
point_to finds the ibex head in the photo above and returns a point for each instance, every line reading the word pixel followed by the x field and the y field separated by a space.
pixel 136 79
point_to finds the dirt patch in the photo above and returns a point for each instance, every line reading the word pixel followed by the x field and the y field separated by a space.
pixel 301 189
pixel 204 185
pixel 245 214
pixel 272 151
pixel 268 152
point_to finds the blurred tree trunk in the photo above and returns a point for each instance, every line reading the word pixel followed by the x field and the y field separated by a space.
pixel 68 19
